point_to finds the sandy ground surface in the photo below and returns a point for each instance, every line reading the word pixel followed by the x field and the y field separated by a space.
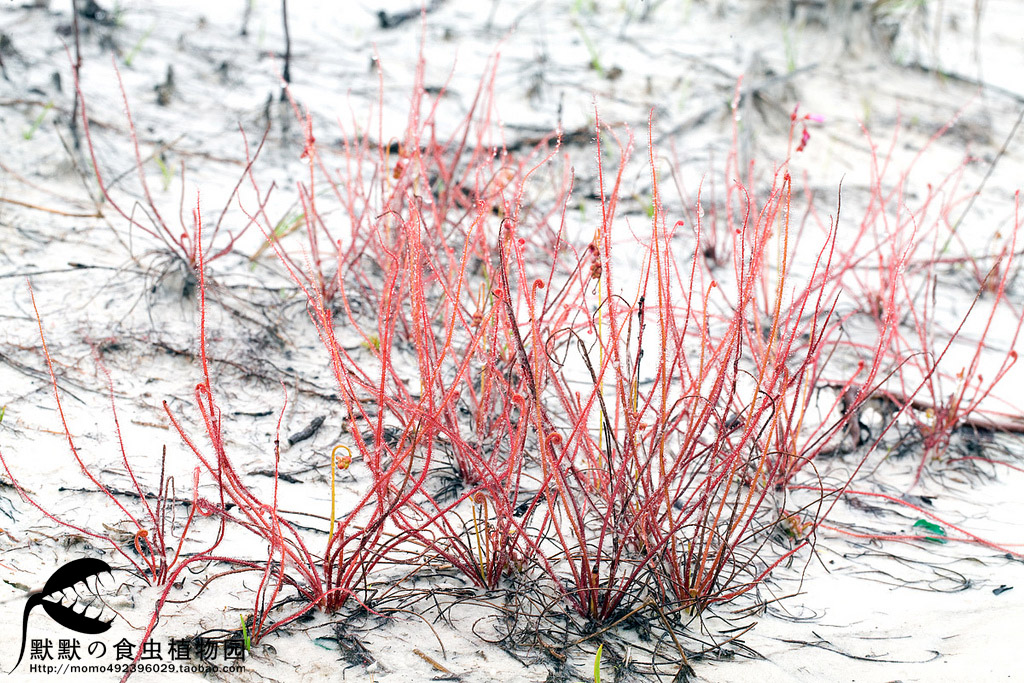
pixel 855 609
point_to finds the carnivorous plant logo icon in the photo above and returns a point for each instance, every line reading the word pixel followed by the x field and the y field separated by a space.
pixel 53 598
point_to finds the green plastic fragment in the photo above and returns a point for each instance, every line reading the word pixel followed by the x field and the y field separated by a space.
pixel 932 528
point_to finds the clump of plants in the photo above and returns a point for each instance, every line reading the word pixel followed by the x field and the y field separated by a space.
pixel 607 445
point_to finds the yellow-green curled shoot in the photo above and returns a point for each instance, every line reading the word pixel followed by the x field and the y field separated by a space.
pixel 345 462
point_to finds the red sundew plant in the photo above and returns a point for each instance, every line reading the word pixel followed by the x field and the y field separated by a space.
pixel 948 400
pixel 886 271
pixel 328 580
pixel 351 552
pixel 287 549
pixel 160 561
pixel 439 207
pixel 670 482
pixel 182 241
pixel 380 183
pixel 625 436
pixel 659 457
pixel 152 529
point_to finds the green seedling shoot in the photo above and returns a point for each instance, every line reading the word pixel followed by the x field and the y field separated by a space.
pixel 287 225
pixel 133 53
pixel 118 15
pixel 245 633
pixel 165 171
pixel 3 409
pixel 595 58
pixel 597 664
pixel 38 122
pixel 647 203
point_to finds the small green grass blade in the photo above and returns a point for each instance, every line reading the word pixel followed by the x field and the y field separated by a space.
pixel 245 633
pixel 38 121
